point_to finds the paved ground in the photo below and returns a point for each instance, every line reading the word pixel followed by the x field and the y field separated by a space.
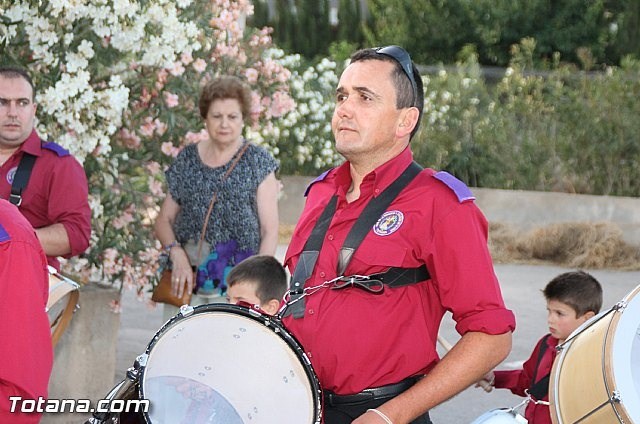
pixel 521 285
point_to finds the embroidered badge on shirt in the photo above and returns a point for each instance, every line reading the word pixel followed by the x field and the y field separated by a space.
pixel 388 223
pixel 11 174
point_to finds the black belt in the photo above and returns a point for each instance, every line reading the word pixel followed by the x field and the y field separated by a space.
pixel 366 395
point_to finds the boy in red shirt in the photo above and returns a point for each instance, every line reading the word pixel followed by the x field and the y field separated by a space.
pixel 572 298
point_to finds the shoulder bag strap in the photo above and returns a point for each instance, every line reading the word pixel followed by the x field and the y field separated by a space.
pixel 214 197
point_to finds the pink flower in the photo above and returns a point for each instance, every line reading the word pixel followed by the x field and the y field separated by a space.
pixel 256 107
pixel 177 69
pixel 148 127
pixel 282 104
pixel 168 149
pixel 192 137
pixel 115 306
pixel 130 139
pixel 153 167
pixel 186 58
pixel 199 65
pixel 171 99
pixel 161 127
pixel 252 75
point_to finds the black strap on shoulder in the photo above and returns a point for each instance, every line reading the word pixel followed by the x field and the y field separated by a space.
pixel 540 389
pixel 363 225
pixel 21 178
pixel 371 213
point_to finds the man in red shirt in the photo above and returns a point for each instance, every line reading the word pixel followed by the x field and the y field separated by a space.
pixel 371 335
pixel 25 337
pixel 55 198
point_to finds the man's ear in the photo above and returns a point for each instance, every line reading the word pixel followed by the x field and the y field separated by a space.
pixel 408 121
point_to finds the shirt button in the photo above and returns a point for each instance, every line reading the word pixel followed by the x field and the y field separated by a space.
pixel 330 236
pixel 322 274
pixel 376 191
pixel 309 355
pixel 311 312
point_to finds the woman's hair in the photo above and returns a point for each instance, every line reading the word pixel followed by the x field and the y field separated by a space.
pixel 578 289
pixel 225 87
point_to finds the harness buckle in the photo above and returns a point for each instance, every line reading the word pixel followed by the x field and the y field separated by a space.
pixel 364 282
pixel 15 199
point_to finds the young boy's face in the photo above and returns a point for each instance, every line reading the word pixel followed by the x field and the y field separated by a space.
pixel 562 319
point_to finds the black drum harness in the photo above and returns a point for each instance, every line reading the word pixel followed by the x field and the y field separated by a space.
pixel 21 178
pixel 374 283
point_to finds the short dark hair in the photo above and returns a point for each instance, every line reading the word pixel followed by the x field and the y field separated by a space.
pixel 404 89
pixel 578 289
pixel 225 87
pixel 268 274
pixel 11 71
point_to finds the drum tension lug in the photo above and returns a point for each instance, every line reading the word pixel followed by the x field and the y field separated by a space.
pixel 620 306
pixel 615 396
pixel 141 361
pixel 186 310
pixel 132 374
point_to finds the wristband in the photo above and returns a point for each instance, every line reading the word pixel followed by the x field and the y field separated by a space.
pixel 171 245
pixel 381 415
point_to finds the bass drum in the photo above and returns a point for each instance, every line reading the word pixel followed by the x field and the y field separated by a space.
pixel 500 416
pixel 227 364
pixel 219 363
pixel 596 376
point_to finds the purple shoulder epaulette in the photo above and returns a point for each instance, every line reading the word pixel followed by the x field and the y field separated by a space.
pixel 56 148
pixel 318 179
pixel 460 189
pixel 4 236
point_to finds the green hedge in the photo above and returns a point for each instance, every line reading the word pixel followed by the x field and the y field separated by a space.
pixel 564 131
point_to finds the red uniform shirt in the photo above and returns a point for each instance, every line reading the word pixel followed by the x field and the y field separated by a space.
pixel 26 355
pixel 519 380
pixel 57 192
pixel 357 340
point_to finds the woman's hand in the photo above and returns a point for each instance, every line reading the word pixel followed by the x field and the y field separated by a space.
pixel 182 273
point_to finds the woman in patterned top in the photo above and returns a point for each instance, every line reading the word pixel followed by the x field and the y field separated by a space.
pixel 244 219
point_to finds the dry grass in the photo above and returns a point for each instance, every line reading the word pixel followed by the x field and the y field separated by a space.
pixel 284 233
pixel 574 245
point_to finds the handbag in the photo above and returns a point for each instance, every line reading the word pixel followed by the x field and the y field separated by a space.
pixel 162 291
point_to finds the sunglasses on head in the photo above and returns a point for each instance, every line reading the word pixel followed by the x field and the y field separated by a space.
pixel 401 56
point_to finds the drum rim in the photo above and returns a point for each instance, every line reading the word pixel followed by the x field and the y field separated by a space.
pixel 271 322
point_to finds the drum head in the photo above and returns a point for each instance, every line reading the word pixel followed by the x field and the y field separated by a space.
pixel 500 416
pixel 625 356
pixel 228 365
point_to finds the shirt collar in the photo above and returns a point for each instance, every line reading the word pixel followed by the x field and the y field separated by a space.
pixel 381 177
pixel 32 144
